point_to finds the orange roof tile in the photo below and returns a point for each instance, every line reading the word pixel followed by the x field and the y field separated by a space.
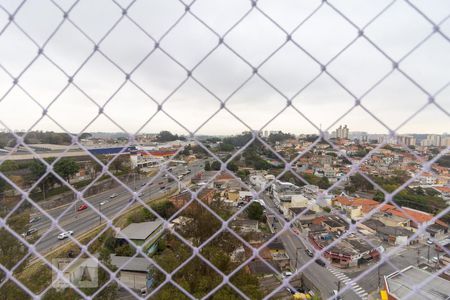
pixel 443 189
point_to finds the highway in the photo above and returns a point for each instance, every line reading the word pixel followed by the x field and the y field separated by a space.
pixel 322 278
pixel 82 221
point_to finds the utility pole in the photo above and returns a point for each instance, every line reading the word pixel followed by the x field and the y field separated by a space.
pixel 296 257
pixel 418 256
pixel 379 277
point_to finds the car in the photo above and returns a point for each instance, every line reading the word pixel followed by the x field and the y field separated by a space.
pixel 143 184
pixel 34 219
pixel 144 292
pixel 290 290
pixel 286 274
pixel 162 187
pixel 65 234
pixel 320 262
pixel 82 207
pixel 435 259
pixel 114 195
pixel 29 232
pixel 104 202
pixel 309 253
pixel 429 242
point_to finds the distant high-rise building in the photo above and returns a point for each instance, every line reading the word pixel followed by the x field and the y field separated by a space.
pixel 432 140
pixel 407 140
pixel 341 132
pixel 436 139
pixel 445 141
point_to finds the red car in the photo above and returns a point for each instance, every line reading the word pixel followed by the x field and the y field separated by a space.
pixel 82 207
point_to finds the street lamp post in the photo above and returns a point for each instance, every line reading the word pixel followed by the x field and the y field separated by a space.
pixel 296 257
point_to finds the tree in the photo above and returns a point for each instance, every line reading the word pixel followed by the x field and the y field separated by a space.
pixel 243 174
pixel 37 170
pixel 255 211
pixel 4 186
pixel 323 183
pixel 66 168
pixel 279 137
pixel 207 166
pixel 125 250
pixel 121 163
pixel 166 136
pixel 98 167
pixel 360 183
pixel 232 166
pixel 226 147
pixel 85 135
pixel 187 150
pixel 216 165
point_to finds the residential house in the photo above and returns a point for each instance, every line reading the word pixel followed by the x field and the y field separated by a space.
pixel 144 234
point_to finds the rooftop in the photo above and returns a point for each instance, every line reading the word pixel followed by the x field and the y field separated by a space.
pixel 125 263
pixel 139 231
pixel 400 284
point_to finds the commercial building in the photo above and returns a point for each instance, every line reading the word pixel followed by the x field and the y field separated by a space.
pixel 144 234
pixel 133 271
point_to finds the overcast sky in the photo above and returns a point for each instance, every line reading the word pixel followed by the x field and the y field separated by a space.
pixel 289 70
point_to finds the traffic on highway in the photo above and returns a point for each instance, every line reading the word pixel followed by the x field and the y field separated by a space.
pixel 81 218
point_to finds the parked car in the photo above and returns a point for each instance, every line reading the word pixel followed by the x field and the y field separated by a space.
pixel 144 292
pixel 435 259
pixel 286 274
pixel 29 232
pixel 290 290
pixel 144 183
pixel 309 253
pixel 429 242
pixel 82 207
pixel 320 262
pixel 34 219
pixel 64 235
pixel 114 195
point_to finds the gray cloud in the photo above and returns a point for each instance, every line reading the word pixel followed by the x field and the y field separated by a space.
pixel 323 36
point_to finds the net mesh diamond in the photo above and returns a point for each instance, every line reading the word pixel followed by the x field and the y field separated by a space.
pixel 158 39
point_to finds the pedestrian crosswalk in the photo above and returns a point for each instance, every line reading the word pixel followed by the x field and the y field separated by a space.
pixel 348 281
